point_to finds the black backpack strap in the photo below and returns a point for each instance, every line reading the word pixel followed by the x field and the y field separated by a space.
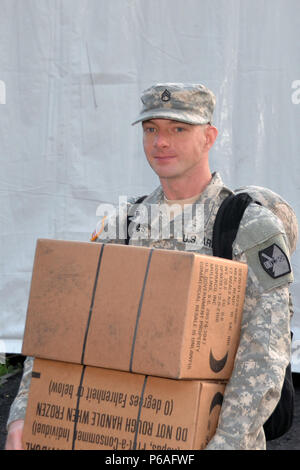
pixel 129 217
pixel 225 229
pixel 227 223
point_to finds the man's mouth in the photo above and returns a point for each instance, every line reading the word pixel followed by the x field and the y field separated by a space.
pixel 164 157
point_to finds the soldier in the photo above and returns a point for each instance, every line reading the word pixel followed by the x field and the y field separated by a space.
pixel 177 137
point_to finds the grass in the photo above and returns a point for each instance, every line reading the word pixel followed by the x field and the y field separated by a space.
pixel 12 363
pixel 6 369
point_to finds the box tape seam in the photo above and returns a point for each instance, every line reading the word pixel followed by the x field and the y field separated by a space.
pixel 199 397
pixel 139 309
pixel 77 407
pixel 139 413
pixel 92 304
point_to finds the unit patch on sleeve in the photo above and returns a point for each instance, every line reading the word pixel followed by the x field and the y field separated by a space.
pixel 269 263
pixel 274 261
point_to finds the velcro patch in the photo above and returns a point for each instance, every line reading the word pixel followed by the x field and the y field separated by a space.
pixel 269 262
pixel 274 261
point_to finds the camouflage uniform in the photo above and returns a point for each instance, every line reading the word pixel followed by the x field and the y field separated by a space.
pixel 264 350
pixel 18 408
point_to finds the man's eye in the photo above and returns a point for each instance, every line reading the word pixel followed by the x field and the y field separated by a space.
pixel 179 129
pixel 149 130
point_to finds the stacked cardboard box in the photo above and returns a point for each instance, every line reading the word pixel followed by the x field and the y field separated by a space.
pixel 114 326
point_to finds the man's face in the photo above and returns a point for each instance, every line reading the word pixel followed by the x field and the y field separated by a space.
pixel 174 149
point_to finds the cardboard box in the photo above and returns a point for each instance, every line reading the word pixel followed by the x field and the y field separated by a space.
pixel 80 407
pixel 157 312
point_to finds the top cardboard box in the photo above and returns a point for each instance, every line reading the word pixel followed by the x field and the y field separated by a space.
pixel 157 312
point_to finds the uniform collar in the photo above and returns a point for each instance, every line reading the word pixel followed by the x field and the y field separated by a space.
pixel 211 191
pixel 210 197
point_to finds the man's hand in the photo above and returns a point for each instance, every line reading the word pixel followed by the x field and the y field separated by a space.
pixel 14 436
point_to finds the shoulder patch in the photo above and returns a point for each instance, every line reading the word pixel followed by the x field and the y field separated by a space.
pixel 269 262
pixel 274 261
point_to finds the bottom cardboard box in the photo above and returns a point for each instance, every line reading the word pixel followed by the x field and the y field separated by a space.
pixel 80 407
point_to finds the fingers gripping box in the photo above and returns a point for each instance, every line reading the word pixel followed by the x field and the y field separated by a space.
pixel 150 311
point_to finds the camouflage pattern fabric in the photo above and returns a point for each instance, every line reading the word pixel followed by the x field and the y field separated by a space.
pixel 193 104
pixel 18 408
pixel 279 207
pixel 264 350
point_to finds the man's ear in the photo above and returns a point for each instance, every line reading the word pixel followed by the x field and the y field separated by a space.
pixel 211 135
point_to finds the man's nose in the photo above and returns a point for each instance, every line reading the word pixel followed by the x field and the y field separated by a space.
pixel 162 140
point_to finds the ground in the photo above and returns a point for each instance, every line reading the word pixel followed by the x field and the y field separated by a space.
pixel 290 441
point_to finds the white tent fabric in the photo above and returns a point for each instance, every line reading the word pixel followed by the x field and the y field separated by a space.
pixel 72 72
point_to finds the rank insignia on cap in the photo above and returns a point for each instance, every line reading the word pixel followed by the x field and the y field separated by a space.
pixel 274 261
pixel 166 95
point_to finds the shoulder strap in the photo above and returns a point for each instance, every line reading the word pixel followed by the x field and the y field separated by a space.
pixel 227 223
pixel 225 229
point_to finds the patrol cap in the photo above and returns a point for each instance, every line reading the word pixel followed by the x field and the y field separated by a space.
pixel 184 102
